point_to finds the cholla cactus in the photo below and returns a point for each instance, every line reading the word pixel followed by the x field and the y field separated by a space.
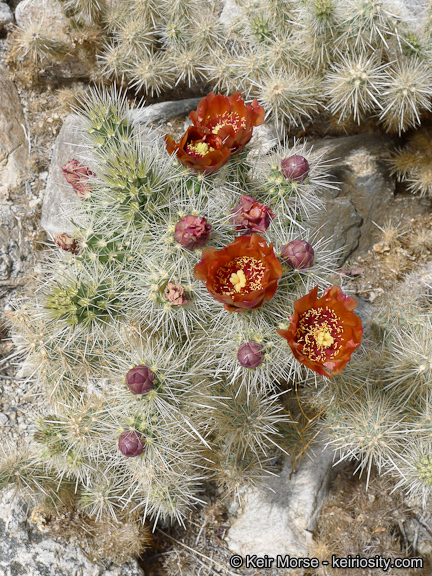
pixel 379 411
pixel 353 59
pixel 413 163
pixel 156 366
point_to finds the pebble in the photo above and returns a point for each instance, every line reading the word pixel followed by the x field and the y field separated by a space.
pixel 3 419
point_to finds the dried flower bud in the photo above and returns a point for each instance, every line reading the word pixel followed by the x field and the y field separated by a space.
pixel 295 168
pixel 192 232
pixel 250 354
pixel 174 293
pixel 77 174
pixel 139 380
pixel 131 444
pixel 67 242
pixel 252 215
pixel 298 254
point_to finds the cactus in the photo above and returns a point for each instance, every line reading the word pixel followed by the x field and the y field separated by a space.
pixel 148 381
pixel 353 59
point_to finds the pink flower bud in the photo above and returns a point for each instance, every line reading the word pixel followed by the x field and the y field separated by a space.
pixel 67 242
pixel 192 232
pixel 139 380
pixel 174 293
pixel 77 174
pixel 295 168
pixel 298 254
pixel 250 354
pixel 131 444
pixel 251 215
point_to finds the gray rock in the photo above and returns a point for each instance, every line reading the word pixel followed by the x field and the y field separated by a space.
pixel 280 518
pixel 52 20
pixel 14 150
pixel 366 195
pixel 25 550
pixel 16 254
pixel 163 111
pixel 6 15
pixel 3 419
pixel 59 195
pixel 48 12
pixel 230 14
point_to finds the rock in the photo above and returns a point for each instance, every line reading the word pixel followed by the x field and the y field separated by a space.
pixel 14 150
pixel 16 255
pixel 48 12
pixel 23 547
pixel 6 15
pixel 59 195
pixel 366 195
pixel 341 223
pixel 3 419
pixel 280 518
pixel 231 14
pixel 163 111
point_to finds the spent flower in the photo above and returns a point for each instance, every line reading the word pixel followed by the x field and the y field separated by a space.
pixel 251 215
pixel 78 175
pixel 192 232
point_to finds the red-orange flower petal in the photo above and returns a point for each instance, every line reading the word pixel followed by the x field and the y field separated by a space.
pixel 242 275
pixel 229 118
pixel 324 331
pixel 198 151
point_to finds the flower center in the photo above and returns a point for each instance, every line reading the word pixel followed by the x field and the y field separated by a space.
pixel 198 149
pixel 238 280
pixel 228 119
pixel 240 276
pixel 320 331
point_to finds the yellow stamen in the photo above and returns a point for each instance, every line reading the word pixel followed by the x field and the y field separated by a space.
pixel 200 148
pixel 323 338
pixel 238 280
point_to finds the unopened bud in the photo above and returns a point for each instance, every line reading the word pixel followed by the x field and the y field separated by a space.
pixel 250 354
pixel 295 168
pixel 131 444
pixel 140 379
pixel 298 254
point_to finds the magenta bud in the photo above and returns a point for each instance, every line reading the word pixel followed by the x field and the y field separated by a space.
pixel 298 254
pixel 67 242
pixel 295 168
pixel 250 354
pixel 77 174
pixel 192 232
pixel 131 444
pixel 140 379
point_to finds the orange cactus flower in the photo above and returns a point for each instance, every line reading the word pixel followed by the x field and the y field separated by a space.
pixel 324 331
pixel 229 118
pixel 242 275
pixel 198 151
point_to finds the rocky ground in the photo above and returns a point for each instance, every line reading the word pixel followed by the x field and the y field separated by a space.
pixel 383 233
